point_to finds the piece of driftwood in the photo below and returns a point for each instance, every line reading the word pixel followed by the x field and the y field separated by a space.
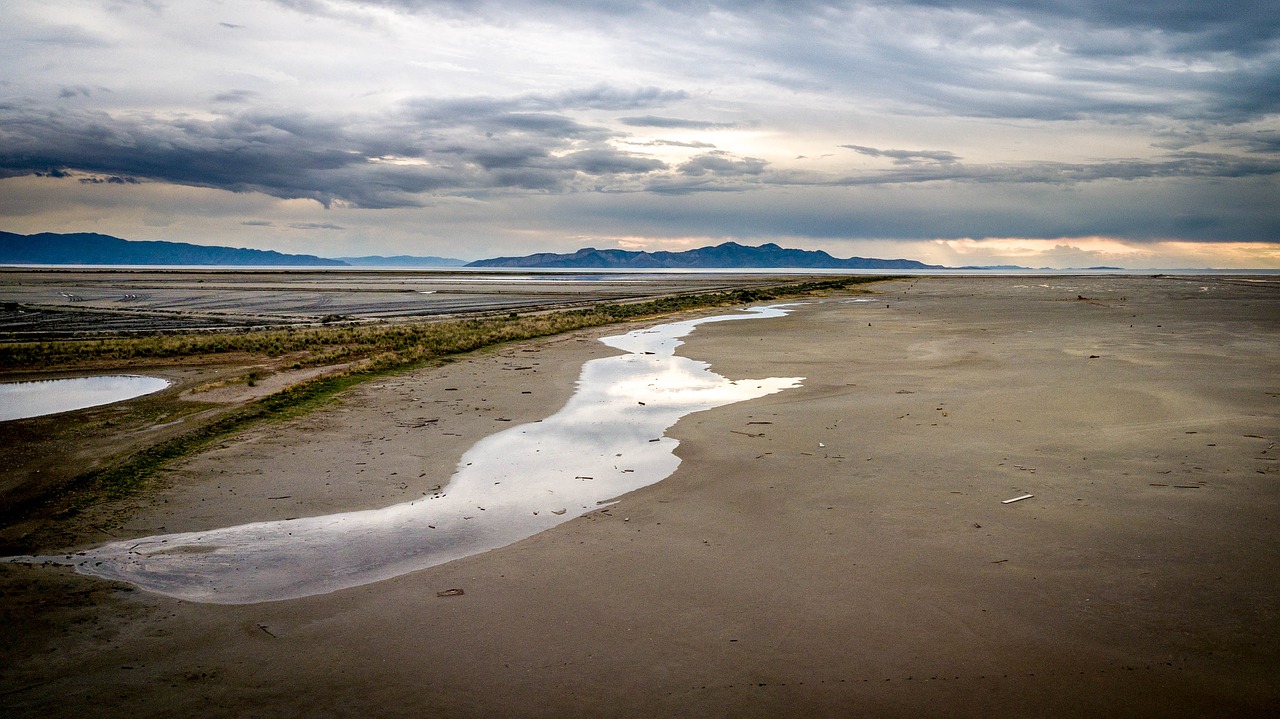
pixel 1017 499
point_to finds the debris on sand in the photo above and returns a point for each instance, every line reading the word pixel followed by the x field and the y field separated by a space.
pixel 1017 499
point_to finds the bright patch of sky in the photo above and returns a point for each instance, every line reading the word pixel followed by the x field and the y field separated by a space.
pixel 1144 134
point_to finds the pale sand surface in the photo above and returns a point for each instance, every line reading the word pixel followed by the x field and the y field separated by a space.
pixel 839 549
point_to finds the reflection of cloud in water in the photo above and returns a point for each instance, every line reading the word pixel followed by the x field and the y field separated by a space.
pixel 606 441
pixel 19 400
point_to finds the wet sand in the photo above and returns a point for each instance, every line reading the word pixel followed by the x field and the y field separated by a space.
pixel 836 549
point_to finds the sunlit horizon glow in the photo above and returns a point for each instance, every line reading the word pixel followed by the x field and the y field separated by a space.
pixel 1142 135
pixel 1080 252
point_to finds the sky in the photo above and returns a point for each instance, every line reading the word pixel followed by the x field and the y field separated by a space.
pixel 1043 133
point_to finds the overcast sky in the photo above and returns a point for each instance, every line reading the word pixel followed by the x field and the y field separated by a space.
pixel 1143 133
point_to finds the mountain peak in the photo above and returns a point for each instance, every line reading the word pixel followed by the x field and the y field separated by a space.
pixel 727 255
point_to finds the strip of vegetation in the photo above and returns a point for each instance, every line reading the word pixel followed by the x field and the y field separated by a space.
pixel 387 344
pixel 121 480
pixel 380 350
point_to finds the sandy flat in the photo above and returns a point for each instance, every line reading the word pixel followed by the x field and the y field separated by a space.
pixel 838 549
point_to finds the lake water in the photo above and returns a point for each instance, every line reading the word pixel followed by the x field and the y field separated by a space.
pixel 19 400
pixel 606 441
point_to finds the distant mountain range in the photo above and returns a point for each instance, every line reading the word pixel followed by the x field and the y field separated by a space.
pixel 91 248
pixel 729 255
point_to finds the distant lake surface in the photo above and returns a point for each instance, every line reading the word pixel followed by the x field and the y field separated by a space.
pixel 20 400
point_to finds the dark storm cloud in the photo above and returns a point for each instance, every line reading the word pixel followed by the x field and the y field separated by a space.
pixel 112 180
pixel 1104 58
pixel 354 160
pixel 905 67
pixel 601 97
pixel 606 161
pixel 454 146
pixel 67 36
pixel 235 96
pixel 715 171
pixel 1150 82
pixel 538 123
pixel 693 144
pixel 535 168
pixel 722 164
pixel 720 172
pixel 530 115
pixel 291 157
pixel 604 97
pixel 1251 93
pixel 1259 141
pixel 504 156
pixel 673 123
pixel 1139 211
pixel 1069 60
pixel 1096 58
pixel 1178 165
pixel 76 91
pixel 1245 25
pixel 906 157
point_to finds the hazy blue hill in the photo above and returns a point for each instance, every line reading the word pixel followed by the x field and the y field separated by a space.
pixel 90 248
pixel 729 255
pixel 402 261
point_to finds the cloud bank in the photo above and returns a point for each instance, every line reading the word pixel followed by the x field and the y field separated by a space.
pixel 499 128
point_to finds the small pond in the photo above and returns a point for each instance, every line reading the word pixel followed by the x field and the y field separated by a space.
pixel 19 400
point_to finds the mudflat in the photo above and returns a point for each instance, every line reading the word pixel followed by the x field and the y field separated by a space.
pixel 843 548
pixel 59 303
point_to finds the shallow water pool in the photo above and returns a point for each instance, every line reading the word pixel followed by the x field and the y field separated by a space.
pixel 20 400
pixel 609 439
